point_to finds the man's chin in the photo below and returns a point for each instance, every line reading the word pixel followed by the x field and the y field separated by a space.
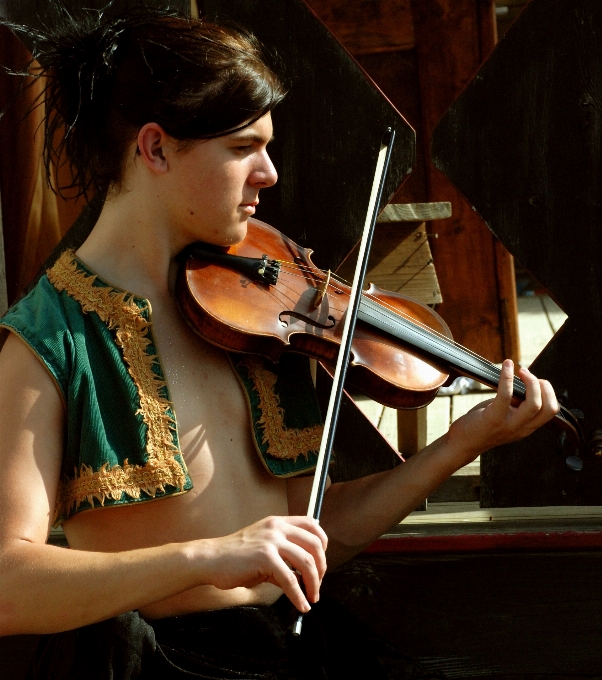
pixel 230 237
pixel 237 234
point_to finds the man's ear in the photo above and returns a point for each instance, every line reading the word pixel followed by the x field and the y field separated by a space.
pixel 153 142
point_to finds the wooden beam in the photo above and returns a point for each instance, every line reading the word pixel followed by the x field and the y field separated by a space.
pixel 452 38
pixel 415 212
pixel 400 261
pixel 500 615
pixel 368 27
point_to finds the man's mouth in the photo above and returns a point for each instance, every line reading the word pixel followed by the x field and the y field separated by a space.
pixel 249 208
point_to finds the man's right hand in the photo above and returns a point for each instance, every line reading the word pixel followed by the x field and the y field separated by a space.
pixel 271 551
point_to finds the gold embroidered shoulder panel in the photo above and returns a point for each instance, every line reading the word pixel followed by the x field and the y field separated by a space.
pixel 164 467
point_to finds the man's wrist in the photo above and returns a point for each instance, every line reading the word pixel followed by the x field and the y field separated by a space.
pixel 455 453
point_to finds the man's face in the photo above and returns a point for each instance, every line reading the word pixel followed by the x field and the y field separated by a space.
pixel 214 186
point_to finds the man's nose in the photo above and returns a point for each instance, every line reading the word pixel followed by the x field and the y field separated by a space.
pixel 265 175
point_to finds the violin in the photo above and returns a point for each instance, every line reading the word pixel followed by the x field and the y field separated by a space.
pixel 265 296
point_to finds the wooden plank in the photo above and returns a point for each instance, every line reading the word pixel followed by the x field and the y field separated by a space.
pixel 438 418
pixel 415 212
pixel 507 302
pixel 483 543
pixel 368 27
pixel 450 43
pixel 466 514
pixel 460 487
pixel 400 261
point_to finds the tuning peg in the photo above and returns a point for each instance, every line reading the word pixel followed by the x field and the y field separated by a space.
pixel 574 463
pixel 578 413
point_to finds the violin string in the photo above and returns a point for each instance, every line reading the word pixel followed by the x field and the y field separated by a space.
pixel 429 332
pixel 452 344
pixel 424 327
pixel 403 315
pixel 429 335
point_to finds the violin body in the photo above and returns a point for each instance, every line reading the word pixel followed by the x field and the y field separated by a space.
pixel 265 296
pixel 240 314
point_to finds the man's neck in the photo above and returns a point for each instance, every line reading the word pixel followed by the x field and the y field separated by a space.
pixel 132 246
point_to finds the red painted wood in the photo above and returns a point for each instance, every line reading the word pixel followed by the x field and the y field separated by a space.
pixel 479 543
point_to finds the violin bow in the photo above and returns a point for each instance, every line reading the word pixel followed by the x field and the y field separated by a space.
pixel 318 488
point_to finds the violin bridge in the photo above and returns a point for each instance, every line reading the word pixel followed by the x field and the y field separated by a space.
pixel 321 291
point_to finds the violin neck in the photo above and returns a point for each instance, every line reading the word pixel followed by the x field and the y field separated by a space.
pixel 457 358
pixel 432 345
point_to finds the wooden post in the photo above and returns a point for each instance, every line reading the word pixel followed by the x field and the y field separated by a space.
pixel 411 431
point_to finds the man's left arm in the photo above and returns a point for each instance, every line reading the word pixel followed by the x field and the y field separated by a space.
pixel 356 513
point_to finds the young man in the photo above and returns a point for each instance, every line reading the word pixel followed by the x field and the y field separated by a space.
pixel 172 117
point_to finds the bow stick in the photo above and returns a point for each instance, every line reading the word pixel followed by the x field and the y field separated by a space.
pixel 332 414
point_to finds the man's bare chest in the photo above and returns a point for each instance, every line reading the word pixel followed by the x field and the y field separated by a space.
pixel 210 406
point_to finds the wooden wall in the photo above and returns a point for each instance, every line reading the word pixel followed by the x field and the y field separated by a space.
pixel 421 54
pixel 524 141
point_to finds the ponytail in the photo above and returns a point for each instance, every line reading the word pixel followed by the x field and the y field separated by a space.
pixel 104 78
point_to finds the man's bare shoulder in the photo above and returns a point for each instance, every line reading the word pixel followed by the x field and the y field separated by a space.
pixel 31 442
pixel 20 367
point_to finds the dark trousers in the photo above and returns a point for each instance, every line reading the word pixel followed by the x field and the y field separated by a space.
pixel 249 643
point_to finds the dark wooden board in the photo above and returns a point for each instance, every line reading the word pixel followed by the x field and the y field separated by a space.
pixel 43 11
pixel 524 144
pixel 328 130
pixel 494 615
pixel 368 26
pixel 453 37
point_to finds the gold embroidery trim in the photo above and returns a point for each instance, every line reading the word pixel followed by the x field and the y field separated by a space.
pixel 119 311
pixel 283 442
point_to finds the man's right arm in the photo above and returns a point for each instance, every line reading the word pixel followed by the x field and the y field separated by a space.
pixel 45 589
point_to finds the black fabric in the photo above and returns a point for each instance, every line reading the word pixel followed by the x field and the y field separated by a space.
pixel 246 643
pixel 121 648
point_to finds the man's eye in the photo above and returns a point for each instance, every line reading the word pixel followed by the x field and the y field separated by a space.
pixel 243 148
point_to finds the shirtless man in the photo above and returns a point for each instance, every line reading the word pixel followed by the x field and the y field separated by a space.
pixel 232 539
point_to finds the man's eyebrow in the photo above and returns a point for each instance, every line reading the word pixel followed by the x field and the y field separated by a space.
pixel 251 137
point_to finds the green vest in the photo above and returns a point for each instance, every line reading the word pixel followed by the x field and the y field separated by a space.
pixel 121 439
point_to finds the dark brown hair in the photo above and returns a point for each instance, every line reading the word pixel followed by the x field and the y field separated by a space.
pixel 107 77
